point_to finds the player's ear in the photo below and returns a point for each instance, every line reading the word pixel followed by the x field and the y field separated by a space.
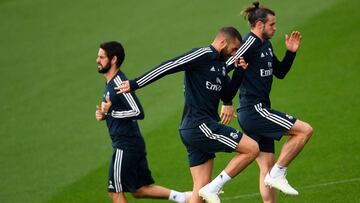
pixel 223 43
pixel 114 60
pixel 259 24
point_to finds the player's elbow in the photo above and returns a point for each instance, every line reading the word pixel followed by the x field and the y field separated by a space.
pixel 280 76
pixel 140 114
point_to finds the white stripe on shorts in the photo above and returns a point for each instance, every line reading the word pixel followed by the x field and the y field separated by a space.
pixel 117 170
pixel 273 117
pixel 221 138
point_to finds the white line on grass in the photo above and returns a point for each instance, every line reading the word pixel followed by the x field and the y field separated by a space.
pixel 305 187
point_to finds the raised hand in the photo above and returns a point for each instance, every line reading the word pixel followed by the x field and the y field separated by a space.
pixel 293 42
pixel 123 88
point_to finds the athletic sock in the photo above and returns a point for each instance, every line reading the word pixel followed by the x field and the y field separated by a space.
pixel 277 171
pixel 177 196
pixel 216 185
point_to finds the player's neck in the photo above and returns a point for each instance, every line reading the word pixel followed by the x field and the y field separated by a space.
pixel 216 47
pixel 258 33
pixel 111 73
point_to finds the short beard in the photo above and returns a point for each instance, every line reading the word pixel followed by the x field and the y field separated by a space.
pixel 105 69
pixel 223 55
pixel 266 36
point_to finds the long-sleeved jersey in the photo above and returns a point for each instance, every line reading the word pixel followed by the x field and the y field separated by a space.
pixel 122 116
pixel 263 64
pixel 205 83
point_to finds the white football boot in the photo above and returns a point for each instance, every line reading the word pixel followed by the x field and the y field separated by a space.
pixel 209 197
pixel 280 183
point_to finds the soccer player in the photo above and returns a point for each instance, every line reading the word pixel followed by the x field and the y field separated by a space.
pixel 129 171
pixel 255 114
pixel 206 83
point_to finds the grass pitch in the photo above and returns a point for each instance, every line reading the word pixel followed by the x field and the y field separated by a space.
pixel 53 150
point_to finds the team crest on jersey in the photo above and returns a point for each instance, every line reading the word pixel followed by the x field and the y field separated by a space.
pixel 107 96
pixel 234 135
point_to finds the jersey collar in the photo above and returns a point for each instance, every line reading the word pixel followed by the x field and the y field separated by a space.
pixel 217 54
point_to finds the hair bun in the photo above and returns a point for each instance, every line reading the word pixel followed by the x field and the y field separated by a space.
pixel 256 4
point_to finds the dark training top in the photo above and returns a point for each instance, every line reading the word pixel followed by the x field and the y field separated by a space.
pixel 263 64
pixel 206 83
pixel 122 117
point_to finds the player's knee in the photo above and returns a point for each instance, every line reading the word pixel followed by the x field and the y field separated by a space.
pixel 304 132
pixel 249 147
pixel 308 130
pixel 114 196
pixel 253 149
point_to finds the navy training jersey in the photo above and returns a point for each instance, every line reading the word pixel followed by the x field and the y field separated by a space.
pixel 263 64
pixel 205 83
pixel 122 117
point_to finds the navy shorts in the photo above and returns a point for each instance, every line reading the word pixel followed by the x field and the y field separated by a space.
pixel 128 171
pixel 208 138
pixel 264 125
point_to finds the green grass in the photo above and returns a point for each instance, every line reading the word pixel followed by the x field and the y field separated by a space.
pixel 53 150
